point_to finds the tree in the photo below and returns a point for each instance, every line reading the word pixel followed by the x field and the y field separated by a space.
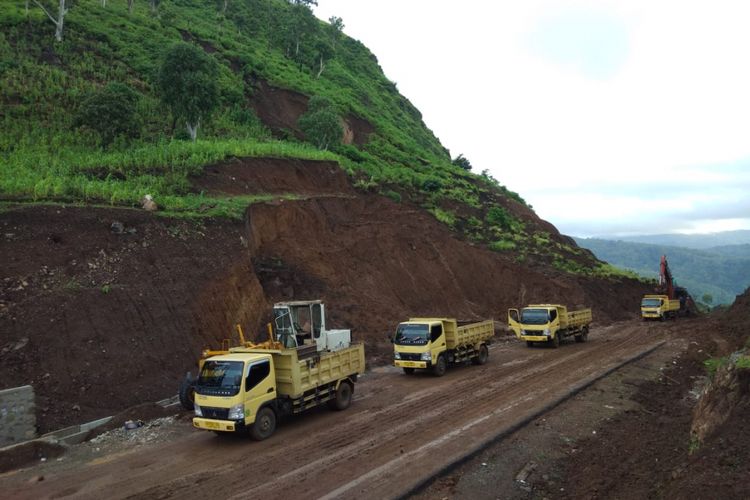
pixel 130 6
pixel 58 21
pixel 321 124
pixel 117 102
pixel 301 24
pixel 323 53
pixel 461 161
pixel 335 28
pixel 187 83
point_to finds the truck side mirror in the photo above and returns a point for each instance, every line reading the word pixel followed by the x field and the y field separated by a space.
pixel 390 338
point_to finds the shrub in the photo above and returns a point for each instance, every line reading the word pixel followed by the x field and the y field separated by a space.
pixel 321 124
pixel 394 195
pixel 462 162
pixel 110 112
pixel 502 245
pixel 498 216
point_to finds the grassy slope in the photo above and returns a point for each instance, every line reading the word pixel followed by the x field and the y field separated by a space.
pixel 42 83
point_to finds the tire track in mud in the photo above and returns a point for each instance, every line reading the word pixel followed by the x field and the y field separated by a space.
pixel 445 404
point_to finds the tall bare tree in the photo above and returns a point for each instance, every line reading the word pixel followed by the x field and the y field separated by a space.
pixel 131 3
pixel 57 21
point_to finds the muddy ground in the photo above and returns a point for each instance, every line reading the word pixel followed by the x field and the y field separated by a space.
pixel 399 430
pixel 629 435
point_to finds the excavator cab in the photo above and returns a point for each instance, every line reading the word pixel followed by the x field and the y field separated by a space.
pixel 299 323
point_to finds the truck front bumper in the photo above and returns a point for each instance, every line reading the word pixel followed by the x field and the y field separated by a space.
pixel 535 338
pixel 412 364
pixel 210 424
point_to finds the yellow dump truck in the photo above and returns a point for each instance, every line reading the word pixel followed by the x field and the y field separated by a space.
pixel 659 307
pixel 549 323
pixel 433 343
pixel 249 388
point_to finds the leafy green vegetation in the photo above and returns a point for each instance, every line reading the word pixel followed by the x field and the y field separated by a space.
pixel 321 124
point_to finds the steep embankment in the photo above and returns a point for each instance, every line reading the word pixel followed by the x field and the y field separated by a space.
pixel 99 317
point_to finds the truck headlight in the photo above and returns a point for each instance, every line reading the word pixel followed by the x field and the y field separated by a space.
pixel 546 331
pixel 397 355
pixel 198 411
pixel 237 412
pixel 426 356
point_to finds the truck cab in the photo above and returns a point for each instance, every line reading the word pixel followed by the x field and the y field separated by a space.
pixel 418 344
pixel 232 390
pixel 658 307
pixel 536 323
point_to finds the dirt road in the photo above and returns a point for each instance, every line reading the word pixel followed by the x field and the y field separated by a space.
pixel 400 431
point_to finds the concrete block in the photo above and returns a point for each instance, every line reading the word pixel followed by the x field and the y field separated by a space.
pixel 17 415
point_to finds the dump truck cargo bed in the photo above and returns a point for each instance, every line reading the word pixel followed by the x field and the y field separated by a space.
pixel 295 376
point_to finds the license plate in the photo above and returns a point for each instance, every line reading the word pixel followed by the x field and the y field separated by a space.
pixel 411 364
pixel 212 425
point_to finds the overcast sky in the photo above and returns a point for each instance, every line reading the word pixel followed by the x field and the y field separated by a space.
pixel 609 117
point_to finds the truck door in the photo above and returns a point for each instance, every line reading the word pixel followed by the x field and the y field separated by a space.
pixel 513 321
pixel 260 386
pixel 437 340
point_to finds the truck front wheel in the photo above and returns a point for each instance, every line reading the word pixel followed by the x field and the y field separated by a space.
pixel 556 340
pixel 343 397
pixel 264 425
pixel 481 358
pixel 438 369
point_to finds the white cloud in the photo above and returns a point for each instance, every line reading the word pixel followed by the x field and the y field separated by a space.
pixel 661 98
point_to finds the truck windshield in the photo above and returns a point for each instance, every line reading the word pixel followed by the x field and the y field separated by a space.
pixel 220 378
pixel 651 303
pixel 534 316
pixel 409 334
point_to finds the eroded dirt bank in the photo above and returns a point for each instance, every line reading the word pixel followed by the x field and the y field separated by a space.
pixel 99 318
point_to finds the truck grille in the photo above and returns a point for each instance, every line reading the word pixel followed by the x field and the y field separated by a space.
pixel 215 413
pixel 410 356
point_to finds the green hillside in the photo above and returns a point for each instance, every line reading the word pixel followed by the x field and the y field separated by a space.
pixel 722 274
pixel 67 139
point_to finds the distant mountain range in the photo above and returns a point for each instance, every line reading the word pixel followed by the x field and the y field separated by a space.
pixel 715 264
pixel 699 241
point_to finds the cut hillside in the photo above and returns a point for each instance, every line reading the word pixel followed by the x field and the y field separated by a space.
pixel 269 59
pixel 98 317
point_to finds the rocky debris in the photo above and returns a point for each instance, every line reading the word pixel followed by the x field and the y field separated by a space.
pixel 117 227
pixel 154 430
pixel 149 204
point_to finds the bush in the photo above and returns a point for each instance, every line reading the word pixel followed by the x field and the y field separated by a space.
pixel 394 195
pixel 462 162
pixel 110 112
pixel 321 124
pixel 502 245
pixel 498 216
